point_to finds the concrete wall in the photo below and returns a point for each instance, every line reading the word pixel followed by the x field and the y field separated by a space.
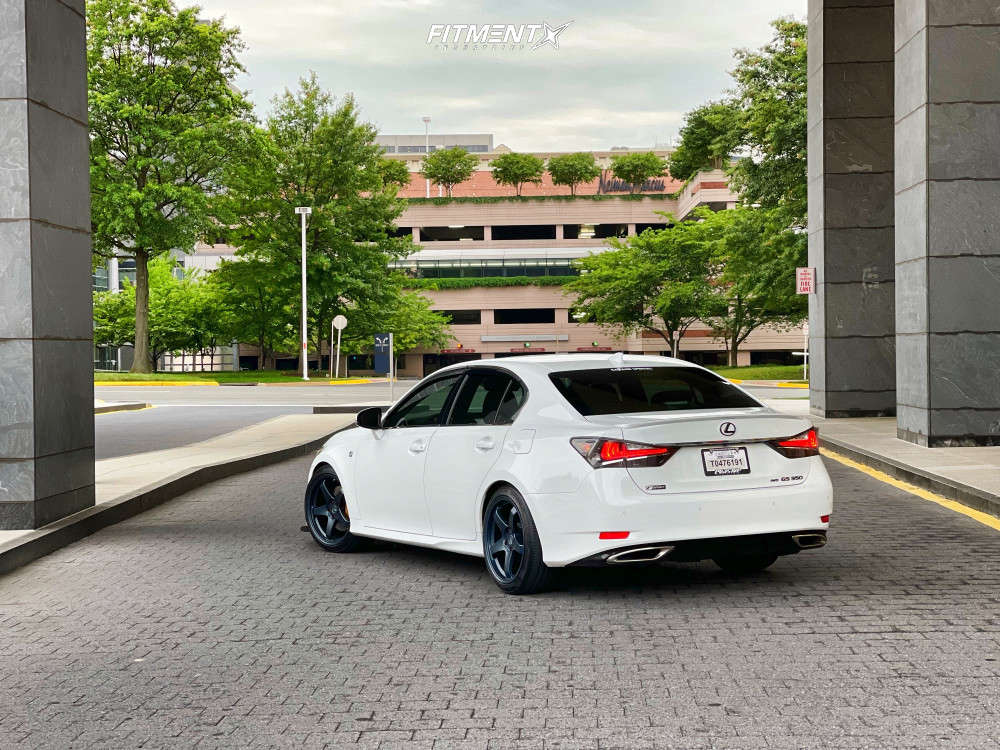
pixel 947 125
pixel 46 412
pixel 851 207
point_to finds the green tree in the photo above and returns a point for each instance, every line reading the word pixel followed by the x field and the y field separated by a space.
pixel 770 94
pixel 572 169
pixel 657 281
pixel 394 172
pixel 753 254
pixel 637 167
pixel 183 316
pixel 516 170
pixel 165 121
pixel 709 137
pixel 258 296
pixel 449 166
pixel 316 152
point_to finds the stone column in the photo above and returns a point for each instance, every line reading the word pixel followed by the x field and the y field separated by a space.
pixel 948 204
pixel 851 317
pixel 46 321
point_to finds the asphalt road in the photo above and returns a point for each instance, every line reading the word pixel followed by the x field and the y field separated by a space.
pixel 188 414
pixel 213 621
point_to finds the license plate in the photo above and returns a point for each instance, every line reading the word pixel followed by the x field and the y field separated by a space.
pixel 720 462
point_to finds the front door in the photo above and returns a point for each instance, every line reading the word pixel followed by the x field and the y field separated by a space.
pixel 466 448
pixel 390 468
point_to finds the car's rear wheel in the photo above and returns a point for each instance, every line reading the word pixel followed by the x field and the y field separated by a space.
pixel 752 562
pixel 327 515
pixel 511 545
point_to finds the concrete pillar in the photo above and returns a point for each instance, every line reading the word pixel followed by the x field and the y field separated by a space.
pixel 851 217
pixel 46 321
pixel 630 231
pixel 416 235
pixel 487 233
pixel 560 232
pixel 948 241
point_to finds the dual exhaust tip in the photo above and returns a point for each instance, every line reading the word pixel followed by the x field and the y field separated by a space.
pixel 659 551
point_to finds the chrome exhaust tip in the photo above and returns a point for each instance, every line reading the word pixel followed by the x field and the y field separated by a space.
pixel 639 555
pixel 809 541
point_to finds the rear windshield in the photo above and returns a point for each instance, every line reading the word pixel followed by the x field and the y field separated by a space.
pixel 626 390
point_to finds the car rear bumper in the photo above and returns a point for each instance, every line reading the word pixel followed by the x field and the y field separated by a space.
pixel 569 524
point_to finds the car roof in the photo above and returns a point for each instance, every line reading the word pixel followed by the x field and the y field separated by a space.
pixel 546 363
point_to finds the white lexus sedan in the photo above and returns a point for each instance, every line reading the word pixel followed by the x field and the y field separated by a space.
pixel 545 461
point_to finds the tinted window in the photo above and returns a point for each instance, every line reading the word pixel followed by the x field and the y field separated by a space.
pixel 424 407
pixel 511 403
pixel 480 398
pixel 626 390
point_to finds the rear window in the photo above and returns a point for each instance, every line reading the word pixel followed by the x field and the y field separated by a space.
pixel 626 390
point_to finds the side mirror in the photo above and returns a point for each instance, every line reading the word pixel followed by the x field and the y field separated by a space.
pixel 370 418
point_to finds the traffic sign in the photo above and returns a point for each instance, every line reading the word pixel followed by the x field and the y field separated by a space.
pixel 805 280
pixel 340 322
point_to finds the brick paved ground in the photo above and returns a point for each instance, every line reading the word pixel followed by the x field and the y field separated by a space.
pixel 214 621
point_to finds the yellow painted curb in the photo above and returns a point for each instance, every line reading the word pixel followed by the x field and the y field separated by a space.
pixel 119 411
pixel 145 383
pixel 318 381
pixel 793 385
pixel 737 382
pixel 984 518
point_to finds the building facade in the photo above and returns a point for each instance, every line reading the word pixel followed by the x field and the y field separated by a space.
pixel 521 250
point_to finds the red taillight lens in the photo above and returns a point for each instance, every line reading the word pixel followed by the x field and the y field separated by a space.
pixel 603 452
pixel 800 446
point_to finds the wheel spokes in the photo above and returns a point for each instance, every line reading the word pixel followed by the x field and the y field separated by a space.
pixel 329 510
pixel 502 525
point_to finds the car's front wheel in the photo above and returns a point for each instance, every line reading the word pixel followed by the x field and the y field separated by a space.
pixel 327 515
pixel 511 545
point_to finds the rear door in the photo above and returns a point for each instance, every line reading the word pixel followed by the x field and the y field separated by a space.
pixel 466 447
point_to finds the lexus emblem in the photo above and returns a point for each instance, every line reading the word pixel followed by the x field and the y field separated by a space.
pixel 728 429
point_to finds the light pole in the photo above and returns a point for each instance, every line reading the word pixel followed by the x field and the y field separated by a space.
pixel 427 150
pixel 304 211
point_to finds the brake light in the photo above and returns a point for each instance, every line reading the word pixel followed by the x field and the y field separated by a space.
pixel 800 446
pixel 600 452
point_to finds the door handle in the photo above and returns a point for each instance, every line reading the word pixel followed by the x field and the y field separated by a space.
pixel 485 444
pixel 418 446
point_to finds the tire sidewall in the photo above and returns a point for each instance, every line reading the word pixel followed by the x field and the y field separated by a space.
pixel 532 572
pixel 343 544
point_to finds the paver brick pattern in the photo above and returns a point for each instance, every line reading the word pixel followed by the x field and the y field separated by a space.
pixel 212 621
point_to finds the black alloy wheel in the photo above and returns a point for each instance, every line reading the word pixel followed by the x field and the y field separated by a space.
pixel 511 546
pixel 327 515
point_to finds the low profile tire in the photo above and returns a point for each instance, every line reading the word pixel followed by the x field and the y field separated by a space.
pixel 511 546
pixel 327 515
pixel 745 564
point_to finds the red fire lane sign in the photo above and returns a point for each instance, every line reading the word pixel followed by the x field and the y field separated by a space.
pixel 805 280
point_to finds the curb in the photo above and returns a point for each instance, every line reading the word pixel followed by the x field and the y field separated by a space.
pixel 112 408
pixel 966 494
pixel 148 383
pixel 79 525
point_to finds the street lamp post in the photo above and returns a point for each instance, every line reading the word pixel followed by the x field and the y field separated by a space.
pixel 427 150
pixel 304 211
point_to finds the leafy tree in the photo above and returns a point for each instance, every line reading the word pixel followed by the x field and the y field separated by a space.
pixel 517 169
pixel 182 314
pixel 258 295
pixel 572 169
pixel 315 152
pixel 657 281
pixel 635 168
pixel 708 139
pixel 395 172
pixel 165 121
pixel 449 166
pixel 753 253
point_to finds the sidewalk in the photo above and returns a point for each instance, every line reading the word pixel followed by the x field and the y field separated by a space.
pixel 128 485
pixel 969 475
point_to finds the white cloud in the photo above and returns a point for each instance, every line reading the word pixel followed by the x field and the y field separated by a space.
pixel 624 73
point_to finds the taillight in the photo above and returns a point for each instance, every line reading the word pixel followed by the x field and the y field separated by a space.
pixel 800 446
pixel 600 452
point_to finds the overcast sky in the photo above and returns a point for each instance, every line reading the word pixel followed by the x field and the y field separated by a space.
pixel 624 73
